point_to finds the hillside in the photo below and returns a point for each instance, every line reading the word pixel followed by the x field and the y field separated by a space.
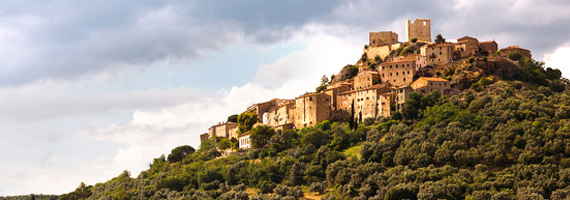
pixel 503 137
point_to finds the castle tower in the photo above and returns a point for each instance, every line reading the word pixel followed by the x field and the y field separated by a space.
pixel 420 29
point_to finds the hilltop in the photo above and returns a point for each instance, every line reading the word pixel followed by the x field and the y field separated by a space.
pixel 496 127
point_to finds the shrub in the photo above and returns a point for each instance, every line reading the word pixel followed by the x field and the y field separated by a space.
pixel 318 187
pixel 516 56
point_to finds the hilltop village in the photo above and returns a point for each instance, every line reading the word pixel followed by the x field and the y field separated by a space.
pixel 386 74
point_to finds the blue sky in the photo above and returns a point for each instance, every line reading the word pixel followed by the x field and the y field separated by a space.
pixel 91 88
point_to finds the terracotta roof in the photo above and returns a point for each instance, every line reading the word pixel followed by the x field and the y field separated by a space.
pixel 309 94
pixel 244 134
pixel 485 42
pixel 466 38
pixel 433 79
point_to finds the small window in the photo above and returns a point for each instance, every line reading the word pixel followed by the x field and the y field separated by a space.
pixel 396 66
pixel 390 66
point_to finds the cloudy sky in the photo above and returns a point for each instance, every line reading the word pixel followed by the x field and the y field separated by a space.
pixel 91 88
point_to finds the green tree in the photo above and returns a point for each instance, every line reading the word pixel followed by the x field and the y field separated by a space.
pixel 233 118
pixel 179 153
pixel 516 56
pixel 224 144
pixel 439 39
pixel 246 120
pixel 260 135
pixel 414 40
pixel 324 82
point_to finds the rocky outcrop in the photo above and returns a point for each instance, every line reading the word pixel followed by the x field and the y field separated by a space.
pixel 467 73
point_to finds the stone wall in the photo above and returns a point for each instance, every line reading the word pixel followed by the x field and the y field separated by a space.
pixel 419 29
pixel 383 38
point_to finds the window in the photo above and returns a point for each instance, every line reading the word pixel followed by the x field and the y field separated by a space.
pixel 390 66
pixel 382 75
pixel 440 53
pixel 390 73
pixel 396 66
pixel 396 73
pixel 404 79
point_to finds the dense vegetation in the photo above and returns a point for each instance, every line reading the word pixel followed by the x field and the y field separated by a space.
pixel 498 140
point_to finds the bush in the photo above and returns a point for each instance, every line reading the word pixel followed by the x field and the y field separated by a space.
pixel 318 187
pixel 281 190
pixel 296 192
pixel 369 121
pixel 516 56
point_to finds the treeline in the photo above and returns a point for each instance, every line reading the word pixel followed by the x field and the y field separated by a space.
pixel 501 140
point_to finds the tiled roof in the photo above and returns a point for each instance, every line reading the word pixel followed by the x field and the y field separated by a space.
pixel 433 79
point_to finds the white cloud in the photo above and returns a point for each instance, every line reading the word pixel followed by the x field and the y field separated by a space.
pixel 325 55
pixel 559 59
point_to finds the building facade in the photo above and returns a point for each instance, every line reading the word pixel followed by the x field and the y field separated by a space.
pixel 227 129
pixel 397 73
pixel 281 117
pixel 426 85
pixel 437 54
pixel 312 108
pixel 243 141
pixel 488 47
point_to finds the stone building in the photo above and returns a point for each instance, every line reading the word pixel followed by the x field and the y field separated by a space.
pixel 243 141
pixel 337 88
pixel 281 117
pixel 397 73
pixel 263 107
pixel 488 47
pixel 227 129
pixel 384 38
pixel 437 54
pixel 366 101
pixel 512 49
pixel 399 96
pixel 467 46
pixel 385 104
pixel 426 85
pixel 366 79
pixel 204 136
pixel 312 108
pixel 419 29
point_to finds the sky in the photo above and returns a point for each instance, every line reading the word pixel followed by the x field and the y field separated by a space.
pixel 89 89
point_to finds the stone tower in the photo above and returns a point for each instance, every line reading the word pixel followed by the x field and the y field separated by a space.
pixel 420 29
pixel 378 39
